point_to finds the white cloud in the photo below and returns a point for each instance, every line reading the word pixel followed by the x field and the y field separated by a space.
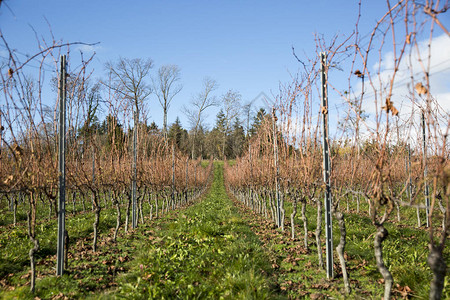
pixel 405 99
pixel 439 71
pixel 89 48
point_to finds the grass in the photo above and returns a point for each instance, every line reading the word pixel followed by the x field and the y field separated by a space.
pixel 405 252
pixel 212 249
pixel 204 251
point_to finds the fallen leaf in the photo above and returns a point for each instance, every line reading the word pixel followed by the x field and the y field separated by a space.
pixel 404 291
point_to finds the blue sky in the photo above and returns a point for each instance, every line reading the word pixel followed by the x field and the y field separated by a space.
pixel 244 45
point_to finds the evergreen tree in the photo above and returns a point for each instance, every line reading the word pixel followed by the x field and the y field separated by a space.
pixel 200 141
pixel 257 121
pixel 153 128
pixel 214 139
pixel 237 139
pixel 213 143
pixel 220 122
pixel 178 135
pixel 115 135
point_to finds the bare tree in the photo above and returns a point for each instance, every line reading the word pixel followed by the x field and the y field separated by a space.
pixel 231 104
pixel 166 86
pixel 129 76
pixel 247 111
pixel 198 105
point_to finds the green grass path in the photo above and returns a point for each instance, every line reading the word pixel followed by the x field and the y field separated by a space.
pixel 204 251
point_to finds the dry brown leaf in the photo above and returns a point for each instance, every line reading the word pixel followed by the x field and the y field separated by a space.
pixel 390 107
pixel 8 179
pixel 404 291
pixel 359 74
pixel 420 89
pixel 394 111
pixel 408 39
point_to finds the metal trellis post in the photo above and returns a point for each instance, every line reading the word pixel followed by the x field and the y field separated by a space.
pixel 251 169
pixel 277 169
pixel 173 174
pixel 62 168
pixel 409 172
pixel 425 171
pixel 187 180
pixel 326 167
pixel 133 188
pixel 1 133
pixel 93 173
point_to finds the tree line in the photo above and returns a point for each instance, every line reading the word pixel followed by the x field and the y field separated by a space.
pixel 226 139
pixel 112 106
